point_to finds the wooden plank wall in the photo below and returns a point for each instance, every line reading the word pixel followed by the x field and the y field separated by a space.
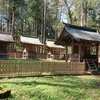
pixel 30 67
pixel 40 55
pixel 15 54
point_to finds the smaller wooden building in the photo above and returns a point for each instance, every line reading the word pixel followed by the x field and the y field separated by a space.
pixel 5 40
pixel 31 46
pixel 53 50
pixel 82 45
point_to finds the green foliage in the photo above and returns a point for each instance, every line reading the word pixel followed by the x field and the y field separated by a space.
pixel 93 10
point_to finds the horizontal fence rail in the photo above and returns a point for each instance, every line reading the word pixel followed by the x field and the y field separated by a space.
pixel 31 67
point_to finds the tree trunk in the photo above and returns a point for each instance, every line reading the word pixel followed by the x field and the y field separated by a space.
pixel 56 30
pixel 25 29
pixel 32 27
pixel 7 20
pixel 21 22
pixel 44 22
pixel 83 13
pixel 2 22
pixel 12 28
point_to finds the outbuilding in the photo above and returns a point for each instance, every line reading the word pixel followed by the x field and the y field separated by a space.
pixel 31 46
pixel 82 45
pixel 54 51
pixel 6 40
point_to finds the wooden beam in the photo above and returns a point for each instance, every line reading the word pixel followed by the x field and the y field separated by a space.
pixel 84 44
pixel 61 36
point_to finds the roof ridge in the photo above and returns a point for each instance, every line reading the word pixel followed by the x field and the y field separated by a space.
pixel 80 27
pixel 29 36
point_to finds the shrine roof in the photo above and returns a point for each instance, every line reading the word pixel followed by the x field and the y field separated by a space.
pixel 6 37
pixel 51 44
pixel 30 40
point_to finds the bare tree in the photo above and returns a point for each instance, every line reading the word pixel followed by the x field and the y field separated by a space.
pixel 69 4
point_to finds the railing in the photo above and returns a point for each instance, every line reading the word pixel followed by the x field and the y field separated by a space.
pixel 39 68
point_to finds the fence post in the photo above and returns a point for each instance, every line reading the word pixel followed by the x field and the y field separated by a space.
pixel 18 67
pixel 40 68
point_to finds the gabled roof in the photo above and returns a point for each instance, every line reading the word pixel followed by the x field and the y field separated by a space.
pixel 6 37
pixel 30 40
pixel 82 33
pixel 79 34
pixel 51 44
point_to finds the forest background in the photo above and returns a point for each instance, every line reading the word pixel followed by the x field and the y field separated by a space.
pixel 44 18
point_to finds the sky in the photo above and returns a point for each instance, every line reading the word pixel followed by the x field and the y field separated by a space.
pixel 64 18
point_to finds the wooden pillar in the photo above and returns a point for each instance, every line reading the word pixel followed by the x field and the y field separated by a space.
pixel 66 53
pixel 72 50
pixel 97 50
pixel 59 51
pixel 36 48
pixel 79 53
pixel 53 51
pixel 89 50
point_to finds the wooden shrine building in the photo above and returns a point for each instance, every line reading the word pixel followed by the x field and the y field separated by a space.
pixel 31 46
pixel 53 49
pixel 5 40
pixel 82 45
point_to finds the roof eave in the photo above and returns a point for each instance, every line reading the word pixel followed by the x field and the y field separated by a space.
pixel 92 41
pixel 7 41
pixel 32 44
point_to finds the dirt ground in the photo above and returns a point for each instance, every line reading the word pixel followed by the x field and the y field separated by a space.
pixel 89 76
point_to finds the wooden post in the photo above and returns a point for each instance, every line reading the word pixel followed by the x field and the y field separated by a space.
pixel 72 50
pixel 79 53
pixel 14 54
pixel 97 50
pixel 40 68
pixel 53 51
pixel 66 52
pixel 36 48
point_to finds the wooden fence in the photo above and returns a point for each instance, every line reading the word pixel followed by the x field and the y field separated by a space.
pixel 26 68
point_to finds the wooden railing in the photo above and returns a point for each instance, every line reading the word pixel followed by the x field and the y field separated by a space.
pixel 31 67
